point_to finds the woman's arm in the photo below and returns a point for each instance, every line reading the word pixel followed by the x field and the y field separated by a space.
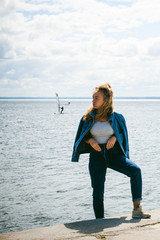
pixel 88 139
pixel 111 142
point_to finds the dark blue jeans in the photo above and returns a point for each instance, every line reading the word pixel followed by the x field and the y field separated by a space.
pixel 98 164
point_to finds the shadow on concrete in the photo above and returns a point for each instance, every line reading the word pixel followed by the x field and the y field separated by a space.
pixel 98 225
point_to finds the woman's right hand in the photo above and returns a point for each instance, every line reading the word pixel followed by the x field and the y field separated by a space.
pixel 94 144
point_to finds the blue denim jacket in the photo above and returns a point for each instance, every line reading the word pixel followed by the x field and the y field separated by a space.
pixel 118 124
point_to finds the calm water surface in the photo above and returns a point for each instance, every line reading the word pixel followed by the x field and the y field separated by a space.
pixel 40 186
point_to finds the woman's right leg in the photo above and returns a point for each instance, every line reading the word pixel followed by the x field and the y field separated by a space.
pixel 97 170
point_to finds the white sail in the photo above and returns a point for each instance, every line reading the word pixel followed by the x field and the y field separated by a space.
pixel 58 102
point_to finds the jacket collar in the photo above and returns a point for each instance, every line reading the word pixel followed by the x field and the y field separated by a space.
pixel 93 113
pixel 111 117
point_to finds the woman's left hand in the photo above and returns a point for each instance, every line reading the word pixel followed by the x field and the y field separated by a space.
pixel 110 143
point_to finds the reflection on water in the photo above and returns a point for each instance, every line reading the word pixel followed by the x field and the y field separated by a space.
pixel 40 186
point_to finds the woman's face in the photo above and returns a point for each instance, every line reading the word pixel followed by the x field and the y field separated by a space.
pixel 98 100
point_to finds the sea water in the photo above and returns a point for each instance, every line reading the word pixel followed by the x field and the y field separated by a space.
pixel 40 186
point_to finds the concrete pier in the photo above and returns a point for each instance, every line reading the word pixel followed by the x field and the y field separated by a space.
pixel 116 228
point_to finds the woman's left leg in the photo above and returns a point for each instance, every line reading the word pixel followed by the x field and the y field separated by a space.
pixel 124 165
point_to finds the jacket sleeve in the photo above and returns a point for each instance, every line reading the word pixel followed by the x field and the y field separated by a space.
pixel 125 142
pixel 125 136
pixel 80 146
pixel 79 130
pixel 75 154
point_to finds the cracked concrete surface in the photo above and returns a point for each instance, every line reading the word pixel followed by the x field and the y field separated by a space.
pixel 144 232
pixel 138 233
pixel 117 228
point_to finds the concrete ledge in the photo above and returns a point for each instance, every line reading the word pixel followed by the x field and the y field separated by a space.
pixel 117 228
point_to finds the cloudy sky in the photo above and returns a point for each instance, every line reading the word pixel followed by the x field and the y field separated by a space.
pixel 71 46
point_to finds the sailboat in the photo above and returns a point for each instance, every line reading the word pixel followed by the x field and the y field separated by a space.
pixel 60 109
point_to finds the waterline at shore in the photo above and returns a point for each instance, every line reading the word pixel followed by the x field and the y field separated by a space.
pixel 117 228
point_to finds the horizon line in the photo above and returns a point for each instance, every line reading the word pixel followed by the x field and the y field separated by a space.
pixel 77 97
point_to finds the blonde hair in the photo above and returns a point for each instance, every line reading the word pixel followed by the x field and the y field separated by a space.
pixel 107 108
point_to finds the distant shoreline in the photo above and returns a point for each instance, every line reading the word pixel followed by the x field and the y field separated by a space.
pixel 74 98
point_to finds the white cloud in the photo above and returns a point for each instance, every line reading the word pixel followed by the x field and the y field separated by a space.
pixel 61 45
pixel 154 48
pixel 10 72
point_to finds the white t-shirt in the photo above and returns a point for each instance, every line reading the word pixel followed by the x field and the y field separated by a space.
pixel 101 131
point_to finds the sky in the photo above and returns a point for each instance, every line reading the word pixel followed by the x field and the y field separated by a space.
pixel 72 46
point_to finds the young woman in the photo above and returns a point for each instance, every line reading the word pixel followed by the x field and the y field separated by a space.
pixel 103 134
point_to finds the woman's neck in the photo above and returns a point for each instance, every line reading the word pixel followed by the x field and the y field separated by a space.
pixel 100 116
pixel 102 120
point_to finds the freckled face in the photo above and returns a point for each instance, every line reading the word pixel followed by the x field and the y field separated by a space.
pixel 97 99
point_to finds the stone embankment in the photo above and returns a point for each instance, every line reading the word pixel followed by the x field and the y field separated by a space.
pixel 116 228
